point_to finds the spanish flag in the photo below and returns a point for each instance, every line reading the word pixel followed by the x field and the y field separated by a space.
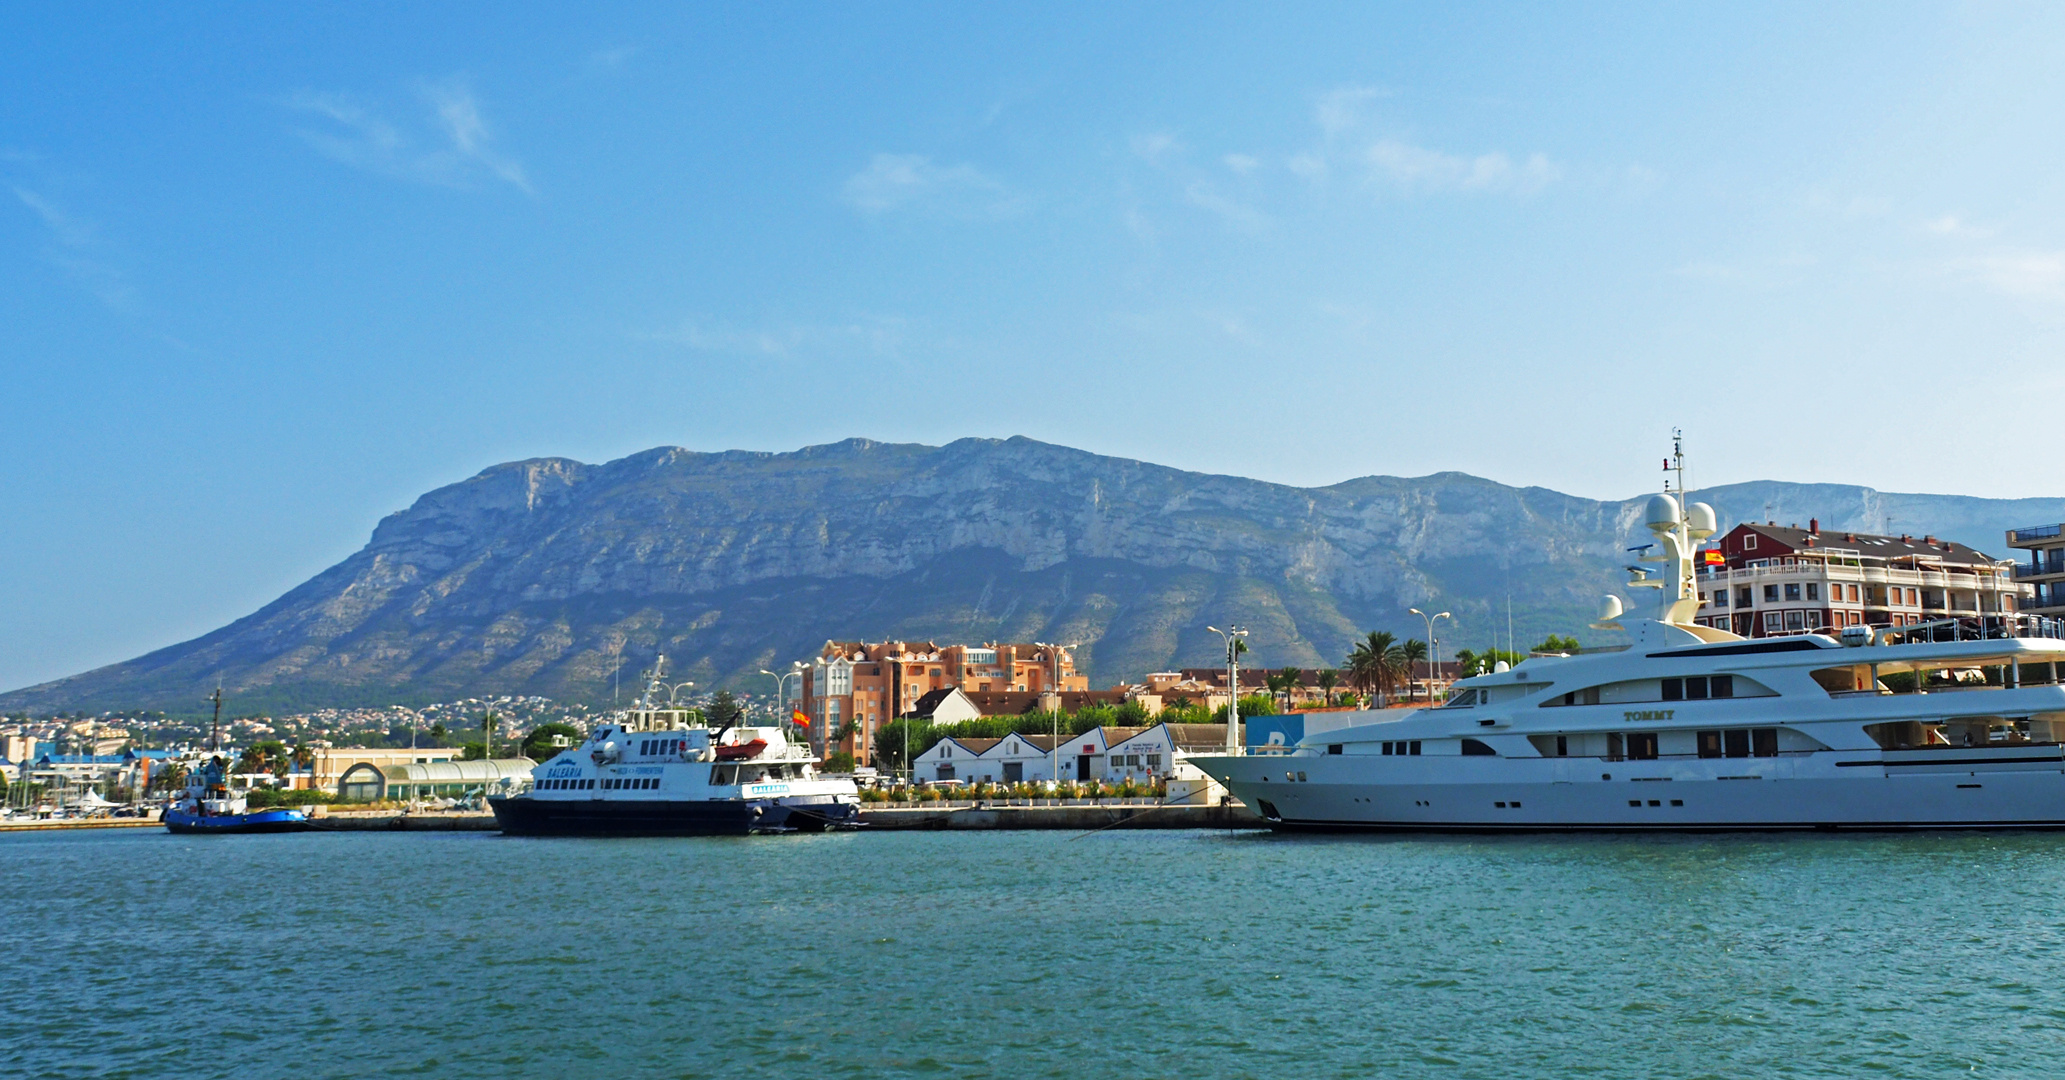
pixel 797 716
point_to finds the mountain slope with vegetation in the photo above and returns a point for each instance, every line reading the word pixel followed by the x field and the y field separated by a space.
pixel 543 576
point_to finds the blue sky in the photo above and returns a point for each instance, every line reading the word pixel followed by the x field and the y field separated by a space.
pixel 268 272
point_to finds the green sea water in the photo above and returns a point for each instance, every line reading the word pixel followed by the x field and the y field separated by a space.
pixel 1124 954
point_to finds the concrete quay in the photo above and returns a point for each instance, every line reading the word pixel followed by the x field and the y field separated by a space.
pixel 1078 818
pixel 397 821
pixel 88 823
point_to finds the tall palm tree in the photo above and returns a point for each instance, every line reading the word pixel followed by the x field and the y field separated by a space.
pixel 1328 679
pixel 1370 665
pixel 1414 651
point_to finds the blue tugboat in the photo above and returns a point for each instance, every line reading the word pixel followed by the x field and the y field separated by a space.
pixel 209 807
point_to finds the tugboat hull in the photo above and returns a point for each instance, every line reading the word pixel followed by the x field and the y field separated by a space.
pixel 256 821
pixel 524 815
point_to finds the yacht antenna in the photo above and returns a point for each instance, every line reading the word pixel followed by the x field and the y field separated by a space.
pixel 215 725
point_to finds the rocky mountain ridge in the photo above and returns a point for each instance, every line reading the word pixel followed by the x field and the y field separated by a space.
pixel 544 576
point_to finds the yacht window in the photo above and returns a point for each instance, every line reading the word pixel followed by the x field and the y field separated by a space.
pixel 1388 746
pixel 1613 746
pixel 1331 748
pixel 1737 742
pixel 1642 746
pixel 1562 746
pixel 1415 751
pixel 1709 744
pixel 1674 689
pixel 1473 748
pixel 1721 686
pixel 1695 688
pixel 1462 700
pixel 1764 742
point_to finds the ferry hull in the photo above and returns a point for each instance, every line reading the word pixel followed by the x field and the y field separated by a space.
pixel 256 821
pixel 525 815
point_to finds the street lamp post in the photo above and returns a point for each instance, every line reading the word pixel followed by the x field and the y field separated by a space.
pixel 1232 635
pixel 1433 647
pixel 781 691
pixel 1055 652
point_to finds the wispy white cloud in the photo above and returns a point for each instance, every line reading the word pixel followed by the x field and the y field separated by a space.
pixel 914 182
pixel 1343 108
pixel 453 147
pixel 872 335
pixel 76 248
pixel 1242 163
pixel 1154 147
pixel 1952 225
pixel 2033 275
pixel 1413 169
pixel 1205 197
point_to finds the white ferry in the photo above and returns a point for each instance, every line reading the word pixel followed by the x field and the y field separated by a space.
pixel 659 771
pixel 1691 727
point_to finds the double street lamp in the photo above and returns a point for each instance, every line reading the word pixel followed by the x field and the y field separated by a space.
pixel 781 691
pixel 1232 636
pixel 1054 651
pixel 1433 647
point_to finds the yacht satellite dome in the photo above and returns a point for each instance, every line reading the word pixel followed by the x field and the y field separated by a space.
pixel 1699 518
pixel 1609 608
pixel 1662 514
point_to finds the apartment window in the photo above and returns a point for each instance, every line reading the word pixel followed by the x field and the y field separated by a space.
pixel 1792 590
pixel 1813 590
pixel 1720 598
pixel 1795 620
pixel 1774 621
pixel 1154 761
pixel 1770 594
pixel 1749 542
pixel 1853 595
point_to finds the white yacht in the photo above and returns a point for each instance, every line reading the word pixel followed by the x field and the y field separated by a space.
pixel 660 771
pixel 1951 723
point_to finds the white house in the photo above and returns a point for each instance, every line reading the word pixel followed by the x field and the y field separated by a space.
pixel 951 759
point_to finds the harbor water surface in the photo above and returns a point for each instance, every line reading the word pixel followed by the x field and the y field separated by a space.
pixel 1177 954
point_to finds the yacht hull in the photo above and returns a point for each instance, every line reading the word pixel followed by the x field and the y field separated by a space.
pixel 2004 788
pixel 526 815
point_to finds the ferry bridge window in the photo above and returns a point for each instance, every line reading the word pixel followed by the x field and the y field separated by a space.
pixel 1642 746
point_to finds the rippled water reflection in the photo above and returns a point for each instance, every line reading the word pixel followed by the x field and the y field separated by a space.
pixel 137 954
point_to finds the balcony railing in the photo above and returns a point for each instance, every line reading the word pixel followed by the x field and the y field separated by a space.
pixel 2035 532
pixel 2024 570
